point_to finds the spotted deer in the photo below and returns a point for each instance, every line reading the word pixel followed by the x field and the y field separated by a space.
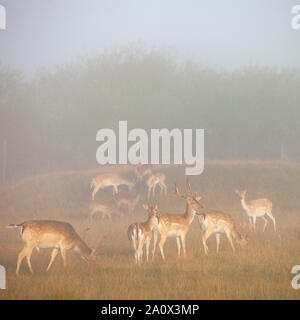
pixel 110 180
pixel 143 170
pixel 217 222
pixel 176 224
pixel 128 201
pixel 58 235
pixel 140 234
pixel 261 208
pixel 105 209
pixel 154 180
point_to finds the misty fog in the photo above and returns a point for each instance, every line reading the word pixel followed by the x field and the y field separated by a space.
pixel 70 68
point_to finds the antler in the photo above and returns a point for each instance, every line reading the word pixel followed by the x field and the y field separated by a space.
pixel 189 189
pixel 178 193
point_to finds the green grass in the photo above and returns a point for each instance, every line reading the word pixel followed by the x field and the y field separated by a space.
pixel 261 271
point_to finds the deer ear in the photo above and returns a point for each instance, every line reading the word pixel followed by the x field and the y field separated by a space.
pixel 146 207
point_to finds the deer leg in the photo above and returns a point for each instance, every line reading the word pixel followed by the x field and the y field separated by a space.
pixel 218 241
pixel 91 215
pixel 178 245
pixel 136 257
pixel 149 192
pixel 161 246
pixel 205 236
pixel 140 249
pixel 183 245
pixel 115 190
pixel 94 192
pixel 21 256
pixel 64 256
pixel 28 256
pixel 148 240
pixel 164 187
pixel 53 256
pixel 254 222
pixel 134 245
pixel 269 213
pixel 229 237
pixel 161 189
pixel 154 243
pixel 266 222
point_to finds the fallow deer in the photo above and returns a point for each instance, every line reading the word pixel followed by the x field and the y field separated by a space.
pixel 50 234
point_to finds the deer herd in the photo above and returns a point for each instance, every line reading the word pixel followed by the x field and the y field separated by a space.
pixel 61 236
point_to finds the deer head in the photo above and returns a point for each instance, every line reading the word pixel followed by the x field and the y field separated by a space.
pixel 192 198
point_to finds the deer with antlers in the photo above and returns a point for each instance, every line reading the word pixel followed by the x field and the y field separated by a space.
pixel 176 224
pixel 110 180
pixel 154 180
pixel 58 235
pixel 140 234
pixel 257 208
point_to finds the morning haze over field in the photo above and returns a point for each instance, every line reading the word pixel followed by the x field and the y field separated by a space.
pixel 70 68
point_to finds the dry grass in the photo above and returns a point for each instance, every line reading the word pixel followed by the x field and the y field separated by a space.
pixel 262 271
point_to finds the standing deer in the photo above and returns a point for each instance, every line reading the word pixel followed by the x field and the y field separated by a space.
pixel 143 170
pixel 140 234
pixel 257 208
pixel 106 209
pixel 219 222
pixel 154 180
pixel 109 179
pixel 176 225
pixel 50 234
pixel 128 201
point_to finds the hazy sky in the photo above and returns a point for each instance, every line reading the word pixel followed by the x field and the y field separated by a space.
pixel 219 33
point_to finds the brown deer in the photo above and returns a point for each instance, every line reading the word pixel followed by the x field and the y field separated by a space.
pixel 176 224
pixel 50 234
pixel 140 234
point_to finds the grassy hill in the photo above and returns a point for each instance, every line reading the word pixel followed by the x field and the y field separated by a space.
pixel 260 271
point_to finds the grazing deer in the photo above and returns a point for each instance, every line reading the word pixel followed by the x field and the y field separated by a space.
pixel 140 234
pixel 109 179
pixel 177 225
pixel 219 222
pixel 128 201
pixel 154 180
pixel 50 234
pixel 257 208
pixel 143 170
pixel 246 225
pixel 104 208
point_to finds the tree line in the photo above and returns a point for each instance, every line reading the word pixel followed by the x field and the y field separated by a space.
pixel 49 122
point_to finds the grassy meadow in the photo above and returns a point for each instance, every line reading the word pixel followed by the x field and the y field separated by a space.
pixel 260 271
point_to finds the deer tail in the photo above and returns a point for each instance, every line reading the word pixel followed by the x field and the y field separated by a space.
pixel 11 226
